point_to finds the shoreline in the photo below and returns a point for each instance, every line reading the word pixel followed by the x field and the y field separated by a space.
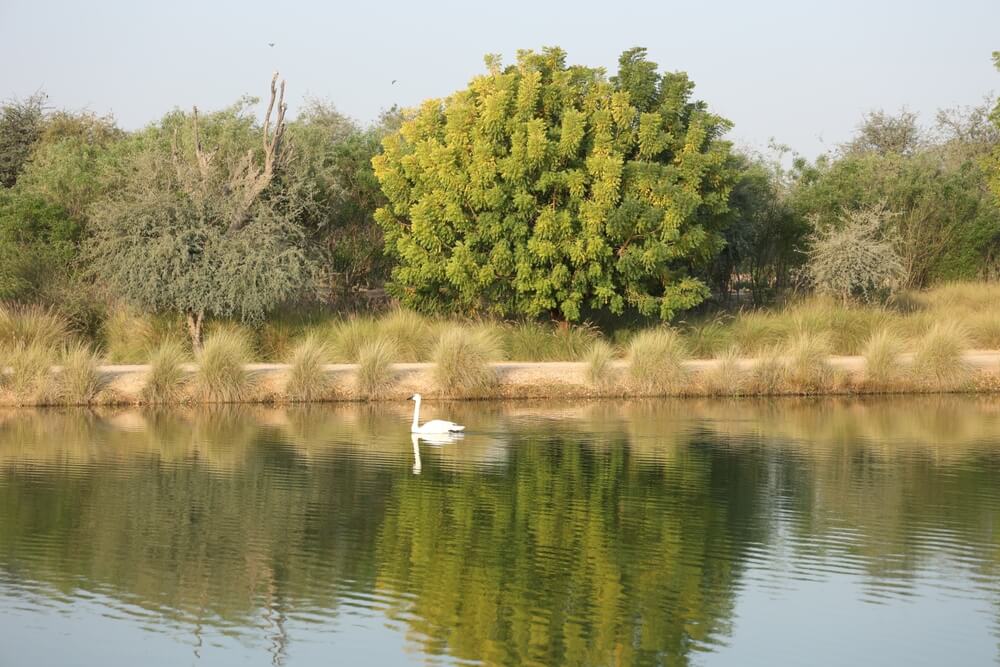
pixel 122 384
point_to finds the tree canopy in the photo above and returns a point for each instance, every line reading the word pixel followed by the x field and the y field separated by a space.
pixel 545 188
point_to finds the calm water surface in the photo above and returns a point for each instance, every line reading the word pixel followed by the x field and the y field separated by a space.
pixel 662 533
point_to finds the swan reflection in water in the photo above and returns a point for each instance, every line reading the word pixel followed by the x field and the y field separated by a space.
pixel 431 439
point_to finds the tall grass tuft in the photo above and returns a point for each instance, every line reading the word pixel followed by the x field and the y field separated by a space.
pixel 463 360
pixel 599 361
pixel 767 376
pixel 726 378
pixel 883 368
pixel 807 362
pixel 349 336
pixel 656 362
pixel 166 379
pixel 537 341
pixel 128 336
pixel 413 334
pixel 32 325
pixel 375 376
pixel 30 380
pixel 307 377
pixel 79 380
pixel 708 338
pixel 937 360
pixel 222 376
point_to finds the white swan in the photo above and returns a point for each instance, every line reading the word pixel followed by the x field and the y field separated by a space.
pixel 433 426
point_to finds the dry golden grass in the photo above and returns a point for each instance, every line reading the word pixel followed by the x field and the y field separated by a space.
pixel 463 359
pixel 374 375
pixel 884 369
pixel 599 360
pixel 222 376
pixel 937 360
pixel 726 378
pixel 79 381
pixel 307 378
pixel 165 380
pixel 656 363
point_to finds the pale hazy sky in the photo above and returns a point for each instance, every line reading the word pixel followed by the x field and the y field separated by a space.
pixel 800 71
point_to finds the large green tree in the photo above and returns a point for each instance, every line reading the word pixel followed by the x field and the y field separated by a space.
pixel 199 225
pixel 545 188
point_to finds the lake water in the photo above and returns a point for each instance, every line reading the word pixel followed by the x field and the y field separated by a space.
pixel 826 532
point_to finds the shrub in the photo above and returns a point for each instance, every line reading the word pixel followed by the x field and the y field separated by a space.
pixel 79 381
pixel 412 333
pixel 374 374
pixel 883 368
pixel 855 259
pixel 937 361
pixel 307 377
pixel 463 360
pixel 222 376
pixel 656 358
pixel 166 378
pixel 599 360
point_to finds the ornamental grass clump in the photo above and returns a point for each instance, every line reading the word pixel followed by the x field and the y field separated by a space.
pixel 726 377
pixel 128 336
pixel 79 381
pixel 307 376
pixel 656 362
pixel 166 378
pixel 463 362
pixel 32 325
pixel 536 341
pixel 883 366
pixel 29 380
pixel 349 336
pixel 222 376
pixel 375 375
pixel 937 359
pixel 807 363
pixel 413 334
pixel 768 374
pixel 599 361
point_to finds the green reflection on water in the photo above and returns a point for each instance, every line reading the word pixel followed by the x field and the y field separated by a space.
pixel 588 534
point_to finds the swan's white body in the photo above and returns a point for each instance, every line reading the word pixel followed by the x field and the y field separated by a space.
pixel 433 426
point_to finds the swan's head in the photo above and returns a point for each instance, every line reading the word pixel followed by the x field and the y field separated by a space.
pixel 415 397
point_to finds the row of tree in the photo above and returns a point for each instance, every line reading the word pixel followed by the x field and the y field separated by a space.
pixel 541 190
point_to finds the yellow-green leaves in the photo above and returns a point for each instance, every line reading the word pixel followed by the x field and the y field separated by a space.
pixel 543 188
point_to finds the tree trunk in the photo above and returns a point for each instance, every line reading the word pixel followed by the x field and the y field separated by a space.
pixel 194 322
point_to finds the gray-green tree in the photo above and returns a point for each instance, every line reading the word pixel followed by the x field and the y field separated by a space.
pixel 21 124
pixel 196 227
pixel 545 188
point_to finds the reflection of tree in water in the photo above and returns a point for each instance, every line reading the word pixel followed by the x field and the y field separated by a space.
pixel 614 535
pixel 574 555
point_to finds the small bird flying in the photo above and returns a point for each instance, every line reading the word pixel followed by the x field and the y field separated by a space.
pixel 393 83
pixel 271 44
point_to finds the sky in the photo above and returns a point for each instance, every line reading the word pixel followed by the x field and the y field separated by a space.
pixel 800 72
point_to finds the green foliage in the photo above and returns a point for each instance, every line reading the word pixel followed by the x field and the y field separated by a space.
pixel 21 123
pixel 165 379
pixel 544 188
pixel 333 166
pixel 307 376
pixel 656 362
pixel 222 376
pixel 463 360
pixel 196 227
pixel 375 374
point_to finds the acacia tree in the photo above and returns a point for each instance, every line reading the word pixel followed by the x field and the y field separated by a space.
pixel 197 231
pixel 547 188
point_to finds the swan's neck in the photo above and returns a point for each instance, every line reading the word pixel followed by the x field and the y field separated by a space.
pixel 416 414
